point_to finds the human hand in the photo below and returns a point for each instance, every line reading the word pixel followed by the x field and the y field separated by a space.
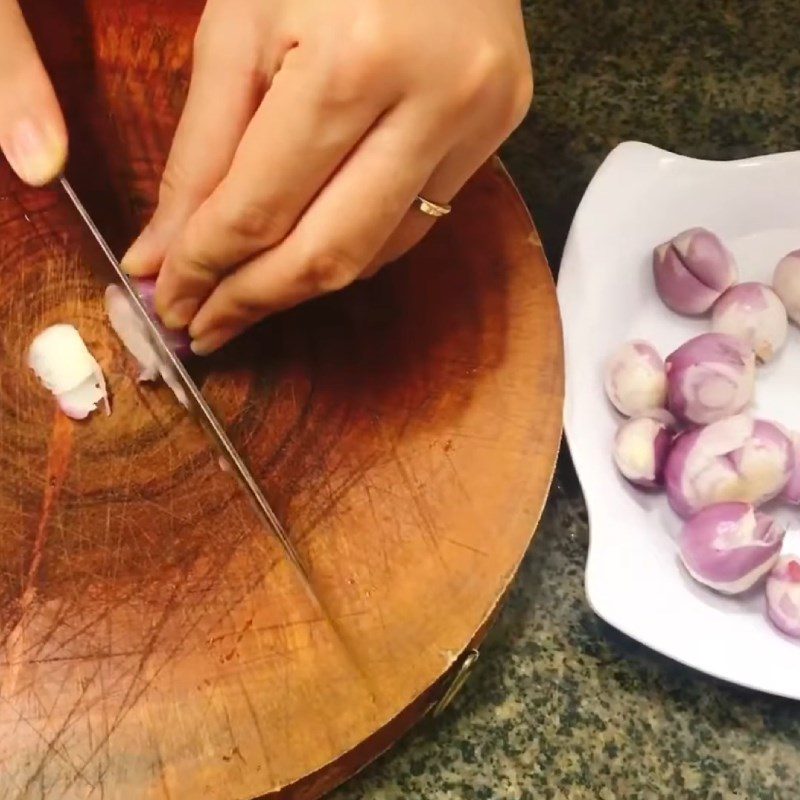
pixel 33 136
pixel 309 130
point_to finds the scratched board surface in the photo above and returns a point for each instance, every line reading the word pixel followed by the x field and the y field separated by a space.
pixel 154 640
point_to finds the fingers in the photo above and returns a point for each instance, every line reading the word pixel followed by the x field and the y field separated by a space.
pixel 303 130
pixel 339 235
pixel 223 94
pixel 441 188
pixel 33 136
pixel 447 180
pixel 482 138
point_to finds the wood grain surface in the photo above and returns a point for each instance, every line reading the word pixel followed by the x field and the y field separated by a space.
pixel 154 640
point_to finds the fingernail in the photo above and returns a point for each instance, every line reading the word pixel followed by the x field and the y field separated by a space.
pixel 36 152
pixel 139 259
pixel 180 313
pixel 209 342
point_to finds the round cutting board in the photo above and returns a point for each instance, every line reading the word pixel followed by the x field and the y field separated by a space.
pixel 155 642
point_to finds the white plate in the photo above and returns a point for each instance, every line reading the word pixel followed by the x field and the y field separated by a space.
pixel 640 197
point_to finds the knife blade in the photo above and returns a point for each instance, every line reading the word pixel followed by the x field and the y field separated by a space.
pixel 197 403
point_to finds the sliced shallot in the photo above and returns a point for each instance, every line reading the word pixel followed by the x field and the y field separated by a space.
pixel 64 365
pixel 132 332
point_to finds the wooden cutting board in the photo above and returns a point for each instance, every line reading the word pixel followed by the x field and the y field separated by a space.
pixel 154 640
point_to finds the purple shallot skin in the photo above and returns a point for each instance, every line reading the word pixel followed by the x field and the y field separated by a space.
pixel 736 459
pixel 710 377
pixel 754 313
pixel 766 436
pixel 178 341
pixel 750 294
pixel 692 270
pixel 791 492
pixel 783 596
pixel 641 447
pixel 730 546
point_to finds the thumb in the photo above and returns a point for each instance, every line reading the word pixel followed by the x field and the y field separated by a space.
pixel 33 135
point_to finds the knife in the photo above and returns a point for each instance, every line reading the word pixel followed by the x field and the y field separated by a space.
pixel 197 403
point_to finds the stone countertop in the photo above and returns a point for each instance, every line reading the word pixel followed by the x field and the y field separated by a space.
pixel 560 705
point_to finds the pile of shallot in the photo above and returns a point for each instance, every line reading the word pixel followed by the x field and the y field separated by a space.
pixel 688 429
pixel 64 365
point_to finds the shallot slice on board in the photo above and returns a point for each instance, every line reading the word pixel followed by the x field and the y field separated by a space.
pixel 64 365
pixel 131 331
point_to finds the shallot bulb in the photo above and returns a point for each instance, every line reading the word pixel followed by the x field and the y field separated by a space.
pixel 753 313
pixel 735 459
pixel 635 379
pixel 710 377
pixel 663 416
pixel 64 365
pixel 791 492
pixel 783 596
pixel 786 283
pixel 692 270
pixel 132 331
pixel 641 447
pixel 730 546
pixel 178 341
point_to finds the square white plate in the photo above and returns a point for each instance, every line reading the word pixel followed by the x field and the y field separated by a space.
pixel 640 197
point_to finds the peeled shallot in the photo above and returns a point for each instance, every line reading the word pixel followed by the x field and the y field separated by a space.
pixel 64 365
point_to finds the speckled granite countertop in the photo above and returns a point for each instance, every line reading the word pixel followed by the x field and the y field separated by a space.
pixel 559 705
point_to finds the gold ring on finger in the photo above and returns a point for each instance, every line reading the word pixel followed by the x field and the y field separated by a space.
pixel 432 209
